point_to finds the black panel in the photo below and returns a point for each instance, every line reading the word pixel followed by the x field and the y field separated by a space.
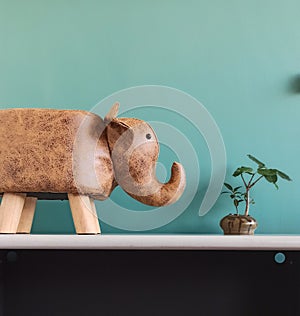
pixel 46 195
pixel 149 283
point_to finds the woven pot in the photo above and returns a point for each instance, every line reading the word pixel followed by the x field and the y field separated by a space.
pixel 234 224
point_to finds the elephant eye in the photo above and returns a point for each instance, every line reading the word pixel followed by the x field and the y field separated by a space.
pixel 148 136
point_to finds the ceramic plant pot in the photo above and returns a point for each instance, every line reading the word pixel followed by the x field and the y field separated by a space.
pixel 234 224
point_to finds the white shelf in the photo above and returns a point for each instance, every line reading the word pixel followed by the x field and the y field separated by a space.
pixel 175 242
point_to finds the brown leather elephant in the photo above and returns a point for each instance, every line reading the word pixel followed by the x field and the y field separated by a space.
pixel 76 155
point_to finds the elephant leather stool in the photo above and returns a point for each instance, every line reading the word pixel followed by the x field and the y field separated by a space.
pixel 75 155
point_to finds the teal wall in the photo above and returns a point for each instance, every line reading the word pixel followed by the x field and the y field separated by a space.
pixel 240 58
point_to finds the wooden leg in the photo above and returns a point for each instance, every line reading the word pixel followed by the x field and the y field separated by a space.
pixel 84 214
pixel 27 215
pixel 93 206
pixel 10 212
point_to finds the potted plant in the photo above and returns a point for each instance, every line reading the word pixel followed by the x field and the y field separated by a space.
pixel 244 224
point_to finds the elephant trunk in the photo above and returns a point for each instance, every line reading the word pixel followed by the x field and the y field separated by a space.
pixel 162 194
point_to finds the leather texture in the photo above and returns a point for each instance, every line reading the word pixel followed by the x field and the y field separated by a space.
pixel 57 151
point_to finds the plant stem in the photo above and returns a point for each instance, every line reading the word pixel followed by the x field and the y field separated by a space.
pixel 237 210
pixel 245 184
pixel 256 181
pixel 247 187
pixel 249 183
pixel 247 201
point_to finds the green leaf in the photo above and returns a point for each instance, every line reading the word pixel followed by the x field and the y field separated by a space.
pixel 236 189
pixel 267 172
pixel 241 170
pixel 272 178
pixel 228 186
pixel 283 175
pixel 225 192
pixel 236 202
pixel 260 164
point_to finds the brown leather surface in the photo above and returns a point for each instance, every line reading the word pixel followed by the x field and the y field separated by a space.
pixel 37 152
pixel 134 151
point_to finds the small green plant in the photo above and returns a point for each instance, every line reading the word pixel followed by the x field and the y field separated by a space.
pixel 249 178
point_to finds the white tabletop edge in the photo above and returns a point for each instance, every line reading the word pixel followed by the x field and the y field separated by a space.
pixel 148 242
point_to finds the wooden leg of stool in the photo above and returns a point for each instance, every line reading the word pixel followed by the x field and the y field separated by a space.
pixel 10 212
pixel 93 206
pixel 27 215
pixel 84 215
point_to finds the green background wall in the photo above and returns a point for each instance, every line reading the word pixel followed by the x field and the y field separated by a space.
pixel 240 58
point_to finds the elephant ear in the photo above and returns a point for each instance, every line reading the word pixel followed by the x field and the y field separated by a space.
pixel 112 113
pixel 117 128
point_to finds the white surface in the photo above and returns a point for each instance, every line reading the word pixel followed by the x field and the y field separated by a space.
pixel 184 242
